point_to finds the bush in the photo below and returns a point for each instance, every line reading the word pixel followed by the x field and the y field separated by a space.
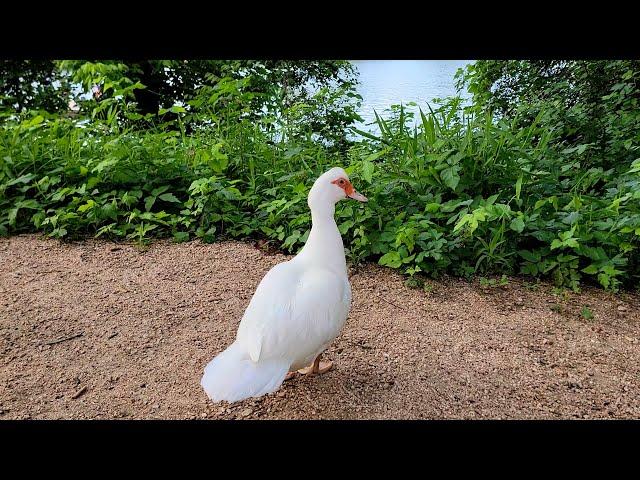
pixel 466 191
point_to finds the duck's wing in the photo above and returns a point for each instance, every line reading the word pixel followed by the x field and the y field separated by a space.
pixel 292 309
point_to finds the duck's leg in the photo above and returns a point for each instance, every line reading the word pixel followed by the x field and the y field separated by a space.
pixel 317 367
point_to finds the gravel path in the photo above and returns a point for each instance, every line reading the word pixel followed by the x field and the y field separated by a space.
pixel 104 330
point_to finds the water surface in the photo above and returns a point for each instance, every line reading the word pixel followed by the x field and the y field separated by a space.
pixel 388 82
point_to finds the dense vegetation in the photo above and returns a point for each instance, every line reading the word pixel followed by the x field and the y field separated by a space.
pixel 540 175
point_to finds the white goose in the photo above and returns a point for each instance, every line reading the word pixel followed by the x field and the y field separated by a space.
pixel 299 307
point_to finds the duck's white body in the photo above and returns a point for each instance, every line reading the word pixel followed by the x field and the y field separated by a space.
pixel 298 309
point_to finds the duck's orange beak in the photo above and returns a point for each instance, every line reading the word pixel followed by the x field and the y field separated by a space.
pixel 349 190
pixel 357 196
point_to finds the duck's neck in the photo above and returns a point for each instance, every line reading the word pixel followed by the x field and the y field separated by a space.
pixel 324 246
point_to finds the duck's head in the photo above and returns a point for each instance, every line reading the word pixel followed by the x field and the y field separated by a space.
pixel 331 187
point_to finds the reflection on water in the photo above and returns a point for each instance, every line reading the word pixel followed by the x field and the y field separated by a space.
pixel 389 82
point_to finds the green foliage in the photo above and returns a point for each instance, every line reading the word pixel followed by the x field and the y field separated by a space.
pixel 469 190
pixel 586 313
pixel 492 282
pixel 31 85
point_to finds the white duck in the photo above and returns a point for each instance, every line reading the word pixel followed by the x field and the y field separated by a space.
pixel 299 307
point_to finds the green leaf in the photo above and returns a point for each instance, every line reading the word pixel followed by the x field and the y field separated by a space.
pixel 604 280
pixel 375 156
pixel 519 186
pixel 450 177
pixel 491 200
pixel 104 164
pixel 369 135
pixel 209 235
pixel 539 204
pixel 517 224
pixel 597 254
pixel 180 237
pixel 462 222
pixel 409 259
pixel 148 203
pixel 23 179
pixel 529 256
pixel 87 206
pixel 391 259
pixel 591 269
pixel 37 219
pixel 571 242
pixel 31 203
pixel 432 207
pixel 345 226
pixel 586 313
pixel 169 197
pixel 572 218
pixel 453 204
pixel 92 182
pixel 13 213
pixel 556 244
pixel 566 235
pixel 34 121
pixel 367 171
pixel 157 191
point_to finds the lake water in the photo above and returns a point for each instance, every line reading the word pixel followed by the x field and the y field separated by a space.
pixel 389 82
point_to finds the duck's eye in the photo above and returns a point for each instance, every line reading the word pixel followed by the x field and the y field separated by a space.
pixel 341 181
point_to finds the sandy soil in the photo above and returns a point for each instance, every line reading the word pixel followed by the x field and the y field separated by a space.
pixel 104 330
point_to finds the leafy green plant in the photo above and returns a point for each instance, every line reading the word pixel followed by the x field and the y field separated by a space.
pixel 586 313
pixel 535 187
pixel 492 282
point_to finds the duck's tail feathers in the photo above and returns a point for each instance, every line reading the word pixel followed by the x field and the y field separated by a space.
pixel 233 376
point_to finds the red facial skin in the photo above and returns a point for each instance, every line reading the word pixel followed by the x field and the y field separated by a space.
pixel 345 184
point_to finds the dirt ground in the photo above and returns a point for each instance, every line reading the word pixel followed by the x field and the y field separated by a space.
pixel 102 330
